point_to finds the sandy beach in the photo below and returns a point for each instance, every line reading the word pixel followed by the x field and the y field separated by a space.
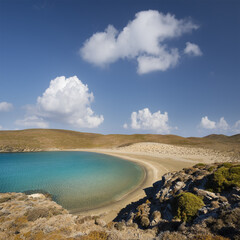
pixel 156 159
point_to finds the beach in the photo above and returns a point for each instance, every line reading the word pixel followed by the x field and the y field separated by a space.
pixel 156 159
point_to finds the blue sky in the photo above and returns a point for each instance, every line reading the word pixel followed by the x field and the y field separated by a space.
pixel 168 67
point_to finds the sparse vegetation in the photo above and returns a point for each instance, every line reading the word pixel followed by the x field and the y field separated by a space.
pixel 187 205
pixel 43 139
pixel 100 235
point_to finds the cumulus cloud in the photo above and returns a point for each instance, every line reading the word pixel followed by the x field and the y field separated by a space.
pixel 32 121
pixel 143 39
pixel 159 63
pixel 208 124
pixel 5 106
pixel 192 49
pixel 125 125
pixel 66 100
pixel 236 127
pixel 145 120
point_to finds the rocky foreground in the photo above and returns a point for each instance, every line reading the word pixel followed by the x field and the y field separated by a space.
pixel 202 202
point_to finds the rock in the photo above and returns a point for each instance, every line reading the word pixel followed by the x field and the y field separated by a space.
pixel 5 199
pixel 214 204
pixel 235 198
pixel 166 177
pixel 206 194
pixel 120 226
pixel 100 222
pixel 179 185
pixel 144 221
pixel 156 217
pixel 182 227
pixel 203 210
pixel 222 199
pixel 37 195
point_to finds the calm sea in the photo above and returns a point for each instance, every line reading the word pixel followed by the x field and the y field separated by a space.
pixel 76 180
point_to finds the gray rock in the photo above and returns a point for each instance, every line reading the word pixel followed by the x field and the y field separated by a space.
pixel 206 194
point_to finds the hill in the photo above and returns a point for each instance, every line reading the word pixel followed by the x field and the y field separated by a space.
pixel 50 139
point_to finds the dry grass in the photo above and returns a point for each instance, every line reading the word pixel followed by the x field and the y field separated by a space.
pixel 44 139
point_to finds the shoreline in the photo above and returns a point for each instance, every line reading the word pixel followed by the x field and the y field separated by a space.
pixel 153 167
pixel 155 159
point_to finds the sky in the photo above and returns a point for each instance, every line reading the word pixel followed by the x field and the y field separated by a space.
pixel 139 66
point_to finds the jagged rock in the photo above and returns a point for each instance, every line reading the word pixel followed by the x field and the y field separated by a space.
pixel 206 194
pixel 179 185
pixel 222 199
pixel 156 217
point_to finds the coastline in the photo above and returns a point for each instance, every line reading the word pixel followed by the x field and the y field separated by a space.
pixel 155 159
pixel 154 167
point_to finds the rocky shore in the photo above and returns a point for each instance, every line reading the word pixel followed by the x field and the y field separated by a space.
pixel 201 202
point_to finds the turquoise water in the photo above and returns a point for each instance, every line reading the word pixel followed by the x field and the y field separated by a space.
pixel 76 180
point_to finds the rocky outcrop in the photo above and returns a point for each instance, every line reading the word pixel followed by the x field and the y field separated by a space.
pixel 37 217
pixel 218 214
pixel 179 206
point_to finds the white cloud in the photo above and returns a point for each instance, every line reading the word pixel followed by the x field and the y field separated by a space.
pixel 221 125
pixel 1 127
pixel 5 106
pixel 66 100
pixel 236 127
pixel 143 39
pixel 160 63
pixel 208 124
pixel 145 120
pixel 32 121
pixel 125 125
pixel 192 49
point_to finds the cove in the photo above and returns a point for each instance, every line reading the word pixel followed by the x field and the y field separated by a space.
pixel 76 180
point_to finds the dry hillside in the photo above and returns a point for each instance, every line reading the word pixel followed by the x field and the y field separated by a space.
pixel 45 139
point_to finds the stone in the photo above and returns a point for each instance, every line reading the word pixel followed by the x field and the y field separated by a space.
pixel 206 194
pixel 182 227
pixel 179 185
pixel 214 204
pixel 120 226
pixel 156 217
pixel 144 221
pixel 100 222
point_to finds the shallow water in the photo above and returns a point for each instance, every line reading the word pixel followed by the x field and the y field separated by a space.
pixel 76 180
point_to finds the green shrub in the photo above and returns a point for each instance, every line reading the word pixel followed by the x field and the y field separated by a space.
pixel 199 165
pixel 224 178
pixel 227 165
pixel 187 206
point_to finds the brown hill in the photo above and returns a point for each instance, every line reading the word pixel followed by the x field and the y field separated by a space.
pixel 45 139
